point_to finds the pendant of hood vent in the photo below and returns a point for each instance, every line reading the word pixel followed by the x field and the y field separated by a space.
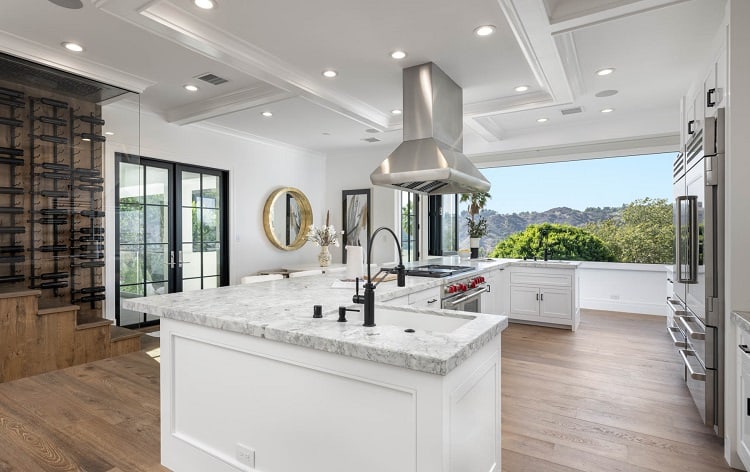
pixel 430 158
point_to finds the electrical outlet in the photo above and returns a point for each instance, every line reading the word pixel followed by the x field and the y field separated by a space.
pixel 246 455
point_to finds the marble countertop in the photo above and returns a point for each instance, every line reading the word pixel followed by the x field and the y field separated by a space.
pixel 742 320
pixel 281 310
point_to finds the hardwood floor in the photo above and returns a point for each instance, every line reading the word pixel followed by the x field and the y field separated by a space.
pixel 608 397
pixel 96 417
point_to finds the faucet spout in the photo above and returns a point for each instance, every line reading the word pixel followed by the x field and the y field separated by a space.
pixel 368 299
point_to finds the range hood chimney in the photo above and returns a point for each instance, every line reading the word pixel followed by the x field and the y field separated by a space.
pixel 430 159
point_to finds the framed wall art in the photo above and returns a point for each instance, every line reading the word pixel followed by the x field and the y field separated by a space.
pixel 355 213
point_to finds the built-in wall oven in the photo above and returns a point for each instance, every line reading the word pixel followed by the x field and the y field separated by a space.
pixel 465 294
pixel 696 316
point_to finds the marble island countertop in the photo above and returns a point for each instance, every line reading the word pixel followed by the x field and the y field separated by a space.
pixel 281 310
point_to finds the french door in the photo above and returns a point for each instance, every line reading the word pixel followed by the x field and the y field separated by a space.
pixel 171 231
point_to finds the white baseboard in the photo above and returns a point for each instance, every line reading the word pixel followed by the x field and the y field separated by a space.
pixel 626 306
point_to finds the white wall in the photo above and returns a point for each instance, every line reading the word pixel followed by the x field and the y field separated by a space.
pixel 350 171
pixel 630 288
pixel 255 170
pixel 738 202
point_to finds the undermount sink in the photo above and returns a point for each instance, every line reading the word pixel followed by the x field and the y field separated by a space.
pixel 386 316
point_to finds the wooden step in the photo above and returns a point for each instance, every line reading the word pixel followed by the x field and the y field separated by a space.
pixel 49 307
pixel 123 340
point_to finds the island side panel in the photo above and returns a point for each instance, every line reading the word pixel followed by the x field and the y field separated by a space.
pixel 304 409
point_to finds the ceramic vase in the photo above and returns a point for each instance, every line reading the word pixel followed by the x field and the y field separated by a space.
pixel 324 258
pixel 474 245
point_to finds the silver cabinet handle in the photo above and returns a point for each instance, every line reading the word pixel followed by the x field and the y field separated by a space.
pixel 541 296
pixel 685 322
pixel 693 374
pixel 672 331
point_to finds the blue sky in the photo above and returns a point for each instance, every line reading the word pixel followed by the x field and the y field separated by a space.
pixel 580 184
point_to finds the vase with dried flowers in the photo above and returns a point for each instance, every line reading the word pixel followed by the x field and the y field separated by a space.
pixel 323 236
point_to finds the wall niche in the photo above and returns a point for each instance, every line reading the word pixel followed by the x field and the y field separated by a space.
pixel 52 185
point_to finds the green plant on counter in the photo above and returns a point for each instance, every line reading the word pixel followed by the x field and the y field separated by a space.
pixel 477 227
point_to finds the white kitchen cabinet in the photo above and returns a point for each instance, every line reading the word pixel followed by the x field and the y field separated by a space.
pixel 544 295
pixel 743 402
pixel 428 298
pixel 493 301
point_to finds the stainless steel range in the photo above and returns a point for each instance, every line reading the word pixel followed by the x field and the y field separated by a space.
pixel 465 294
pixel 437 270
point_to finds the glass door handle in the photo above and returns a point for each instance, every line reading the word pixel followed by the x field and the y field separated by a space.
pixel 181 261
pixel 171 262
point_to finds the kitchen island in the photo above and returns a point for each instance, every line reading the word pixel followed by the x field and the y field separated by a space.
pixel 251 381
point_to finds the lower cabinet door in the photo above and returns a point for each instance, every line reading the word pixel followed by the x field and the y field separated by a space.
pixel 524 301
pixel 556 303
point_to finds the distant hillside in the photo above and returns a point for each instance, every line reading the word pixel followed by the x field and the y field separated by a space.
pixel 501 226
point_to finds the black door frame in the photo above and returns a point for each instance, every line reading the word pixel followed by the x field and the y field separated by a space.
pixel 174 170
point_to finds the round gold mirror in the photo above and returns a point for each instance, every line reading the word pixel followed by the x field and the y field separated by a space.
pixel 286 217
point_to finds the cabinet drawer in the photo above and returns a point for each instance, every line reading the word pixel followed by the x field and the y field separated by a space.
pixel 534 278
pixel 429 298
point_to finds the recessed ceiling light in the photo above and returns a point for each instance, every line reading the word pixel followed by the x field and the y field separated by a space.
pixel 330 73
pixel 521 88
pixel 398 54
pixel 71 4
pixel 205 4
pixel 109 133
pixel 85 139
pixel 396 112
pixel 190 88
pixel 75 47
pixel 605 93
pixel 608 110
pixel 326 134
pixel 606 71
pixel 267 114
pixel 484 30
pixel 542 120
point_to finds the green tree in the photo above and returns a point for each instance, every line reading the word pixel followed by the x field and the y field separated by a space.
pixel 565 242
pixel 643 234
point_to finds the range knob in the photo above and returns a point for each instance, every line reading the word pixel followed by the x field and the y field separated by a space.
pixel 451 289
pixel 473 283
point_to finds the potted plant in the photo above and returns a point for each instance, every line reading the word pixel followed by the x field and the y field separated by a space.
pixel 477 224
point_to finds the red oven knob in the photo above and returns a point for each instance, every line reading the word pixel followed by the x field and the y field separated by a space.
pixel 473 284
pixel 464 287
pixel 451 289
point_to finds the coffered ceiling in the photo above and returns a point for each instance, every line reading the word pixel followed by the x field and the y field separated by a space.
pixel 272 54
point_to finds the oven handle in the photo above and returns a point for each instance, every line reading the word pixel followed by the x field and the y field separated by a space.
pixel 693 374
pixel 693 334
pixel 468 297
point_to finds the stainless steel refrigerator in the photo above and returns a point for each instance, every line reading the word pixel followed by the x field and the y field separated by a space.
pixel 696 323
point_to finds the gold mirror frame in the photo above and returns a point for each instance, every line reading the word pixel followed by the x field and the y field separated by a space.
pixel 305 217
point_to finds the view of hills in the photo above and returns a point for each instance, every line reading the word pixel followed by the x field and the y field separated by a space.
pixel 501 225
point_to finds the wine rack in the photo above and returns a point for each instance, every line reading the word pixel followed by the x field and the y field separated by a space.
pixel 12 250
pixel 87 230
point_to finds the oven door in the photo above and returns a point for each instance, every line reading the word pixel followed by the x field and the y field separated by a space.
pixel 470 301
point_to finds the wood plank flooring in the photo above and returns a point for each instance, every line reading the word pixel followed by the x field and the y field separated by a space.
pixel 608 397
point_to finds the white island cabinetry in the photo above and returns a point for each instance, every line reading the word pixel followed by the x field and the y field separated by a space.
pixel 544 293
pixel 250 381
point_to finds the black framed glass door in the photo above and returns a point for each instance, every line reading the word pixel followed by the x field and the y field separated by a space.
pixel 170 231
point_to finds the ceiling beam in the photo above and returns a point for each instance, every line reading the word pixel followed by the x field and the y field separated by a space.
pixel 595 17
pixel 262 94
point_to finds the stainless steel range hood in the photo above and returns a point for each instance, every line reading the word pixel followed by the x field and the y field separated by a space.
pixel 430 160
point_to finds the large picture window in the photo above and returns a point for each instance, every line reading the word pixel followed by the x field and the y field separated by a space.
pixel 443 224
pixel 409 226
